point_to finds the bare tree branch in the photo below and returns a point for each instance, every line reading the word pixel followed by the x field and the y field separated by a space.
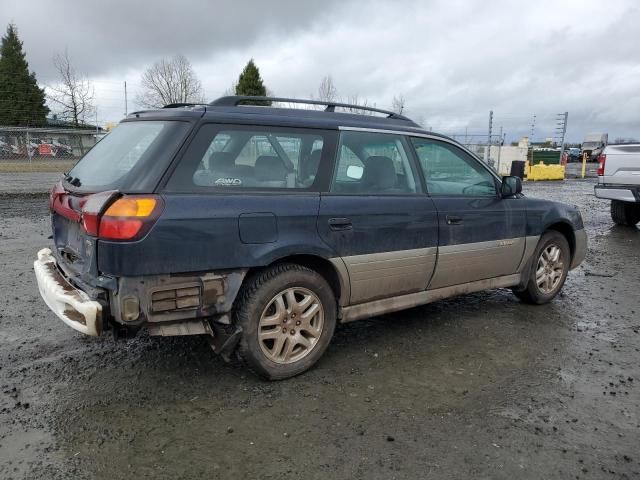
pixel 231 90
pixel 356 101
pixel 72 98
pixel 170 81
pixel 398 104
pixel 327 91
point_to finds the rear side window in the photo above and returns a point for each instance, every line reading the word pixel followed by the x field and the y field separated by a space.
pixel 125 150
pixel 238 158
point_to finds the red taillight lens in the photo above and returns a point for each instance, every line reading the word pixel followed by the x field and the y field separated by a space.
pixel 92 208
pixel 130 217
pixel 602 159
pixel 119 228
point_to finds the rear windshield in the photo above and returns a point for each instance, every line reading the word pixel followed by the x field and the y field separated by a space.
pixel 124 151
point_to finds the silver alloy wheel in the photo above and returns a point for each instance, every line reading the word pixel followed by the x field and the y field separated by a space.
pixel 290 326
pixel 550 268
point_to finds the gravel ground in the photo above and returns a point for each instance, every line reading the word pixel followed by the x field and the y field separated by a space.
pixel 27 182
pixel 480 386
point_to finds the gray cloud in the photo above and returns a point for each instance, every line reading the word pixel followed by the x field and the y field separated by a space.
pixel 453 61
pixel 111 37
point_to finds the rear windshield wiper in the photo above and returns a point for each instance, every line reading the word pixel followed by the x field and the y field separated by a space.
pixel 75 181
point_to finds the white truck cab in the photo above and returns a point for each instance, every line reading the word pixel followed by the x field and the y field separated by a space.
pixel 594 144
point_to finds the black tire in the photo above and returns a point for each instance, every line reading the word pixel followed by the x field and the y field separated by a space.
pixel 259 293
pixel 533 293
pixel 625 213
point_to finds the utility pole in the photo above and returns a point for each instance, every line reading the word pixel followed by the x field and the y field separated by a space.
pixel 499 150
pixel 126 107
pixel 533 129
pixel 489 136
pixel 561 126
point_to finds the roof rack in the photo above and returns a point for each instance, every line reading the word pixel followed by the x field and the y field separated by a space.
pixel 178 105
pixel 235 100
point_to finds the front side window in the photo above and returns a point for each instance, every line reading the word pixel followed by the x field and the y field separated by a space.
pixel 449 170
pixel 253 158
pixel 373 163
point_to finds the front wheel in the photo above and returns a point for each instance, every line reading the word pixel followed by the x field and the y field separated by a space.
pixel 625 213
pixel 287 313
pixel 552 259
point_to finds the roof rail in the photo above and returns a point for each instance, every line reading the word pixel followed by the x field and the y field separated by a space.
pixel 235 100
pixel 178 105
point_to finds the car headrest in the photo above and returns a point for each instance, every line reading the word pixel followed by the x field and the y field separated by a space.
pixel 222 160
pixel 379 173
pixel 269 169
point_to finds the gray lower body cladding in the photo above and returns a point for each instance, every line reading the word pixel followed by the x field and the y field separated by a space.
pixel 370 284
pixel 379 275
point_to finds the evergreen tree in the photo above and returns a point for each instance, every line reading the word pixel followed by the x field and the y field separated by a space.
pixel 22 101
pixel 250 83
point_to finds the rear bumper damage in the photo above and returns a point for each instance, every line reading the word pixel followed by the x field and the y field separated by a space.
pixel 167 305
pixel 71 305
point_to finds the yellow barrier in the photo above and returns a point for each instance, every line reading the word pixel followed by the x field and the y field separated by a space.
pixel 545 172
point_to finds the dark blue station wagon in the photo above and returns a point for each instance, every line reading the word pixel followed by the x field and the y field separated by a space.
pixel 263 227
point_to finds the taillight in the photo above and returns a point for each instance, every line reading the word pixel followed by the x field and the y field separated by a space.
pixel 129 217
pixel 56 192
pixel 92 208
pixel 602 159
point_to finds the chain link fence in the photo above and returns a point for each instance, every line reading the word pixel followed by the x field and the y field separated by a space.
pixel 44 149
pixel 480 145
pixel 493 151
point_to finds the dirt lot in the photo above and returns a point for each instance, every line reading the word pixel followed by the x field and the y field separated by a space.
pixel 36 165
pixel 476 387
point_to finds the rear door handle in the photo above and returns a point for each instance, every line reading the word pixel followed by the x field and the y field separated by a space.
pixel 454 220
pixel 340 224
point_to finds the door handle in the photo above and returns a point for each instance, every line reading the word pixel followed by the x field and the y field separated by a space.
pixel 454 220
pixel 340 224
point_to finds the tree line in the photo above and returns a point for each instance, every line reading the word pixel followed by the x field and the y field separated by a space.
pixel 23 102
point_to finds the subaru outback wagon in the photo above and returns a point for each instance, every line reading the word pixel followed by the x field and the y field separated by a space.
pixel 261 228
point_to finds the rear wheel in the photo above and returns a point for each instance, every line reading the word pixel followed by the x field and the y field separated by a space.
pixel 287 314
pixel 625 213
pixel 551 258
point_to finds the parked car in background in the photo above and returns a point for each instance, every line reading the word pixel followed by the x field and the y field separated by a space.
pixel 32 148
pixel 619 181
pixel 46 149
pixel 594 144
pixel 262 228
pixel 574 154
pixel 62 149
pixel 6 149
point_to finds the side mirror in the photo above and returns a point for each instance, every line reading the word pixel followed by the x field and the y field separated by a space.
pixel 511 185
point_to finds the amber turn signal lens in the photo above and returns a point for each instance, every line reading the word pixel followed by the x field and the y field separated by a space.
pixel 131 207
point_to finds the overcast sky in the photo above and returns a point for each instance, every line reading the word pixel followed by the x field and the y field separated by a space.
pixel 452 60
